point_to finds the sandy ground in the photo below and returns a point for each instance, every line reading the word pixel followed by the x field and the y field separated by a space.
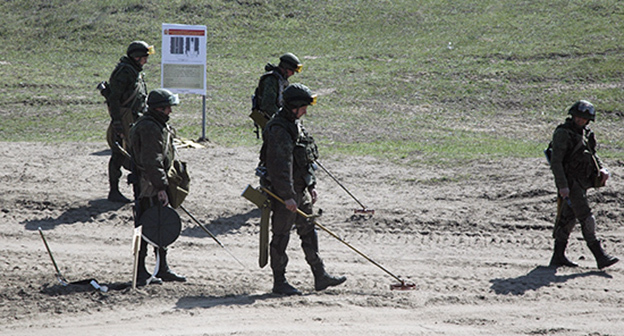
pixel 475 240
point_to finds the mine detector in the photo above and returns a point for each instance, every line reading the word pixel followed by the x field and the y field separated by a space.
pixel 262 198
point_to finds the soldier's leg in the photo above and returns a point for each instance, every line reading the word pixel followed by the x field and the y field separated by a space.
pixel 281 221
pixel 582 211
pixel 309 243
pixel 562 233
pixel 164 272
pixel 114 174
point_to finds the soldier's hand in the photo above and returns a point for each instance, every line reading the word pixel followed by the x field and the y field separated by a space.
pixel 564 192
pixel 605 175
pixel 163 198
pixel 314 195
pixel 291 205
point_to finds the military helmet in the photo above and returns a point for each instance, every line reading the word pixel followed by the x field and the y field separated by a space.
pixel 298 95
pixel 162 98
pixel 290 61
pixel 583 109
pixel 140 49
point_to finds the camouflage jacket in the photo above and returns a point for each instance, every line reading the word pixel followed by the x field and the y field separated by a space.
pixel 288 154
pixel 269 90
pixel 124 81
pixel 573 155
pixel 151 145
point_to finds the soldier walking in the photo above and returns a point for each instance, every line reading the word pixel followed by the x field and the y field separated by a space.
pixel 576 168
pixel 288 153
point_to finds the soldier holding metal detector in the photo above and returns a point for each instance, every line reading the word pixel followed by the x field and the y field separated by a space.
pixel 153 153
pixel 125 94
pixel 288 154
pixel 576 168
pixel 267 98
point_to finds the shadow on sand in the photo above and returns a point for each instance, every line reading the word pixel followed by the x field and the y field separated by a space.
pixel 539 277
pixel 220 225
pixel 74 215
pixel 190 302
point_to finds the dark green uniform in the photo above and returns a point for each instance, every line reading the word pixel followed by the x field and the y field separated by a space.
pixel 574 166
pixel 269 91
pixel 289 157
pixel 153 152
pixel 125 104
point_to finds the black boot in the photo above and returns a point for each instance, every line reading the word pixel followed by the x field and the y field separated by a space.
pixel 142 274
pixel 558 257
pixel 282 287
pixel 164 272
pixel 323 280
pixel 114 195
pixel 279 260
pixel 602 259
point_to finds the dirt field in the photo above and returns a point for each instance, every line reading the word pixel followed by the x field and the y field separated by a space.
pixel 475 240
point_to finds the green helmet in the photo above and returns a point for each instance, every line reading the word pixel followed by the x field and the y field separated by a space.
pixel 298 95
pixel 583 109
pixel 162 98
pixel 140 49
pixel 290 61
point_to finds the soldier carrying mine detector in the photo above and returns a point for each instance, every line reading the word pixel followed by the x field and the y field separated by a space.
pixel 288 154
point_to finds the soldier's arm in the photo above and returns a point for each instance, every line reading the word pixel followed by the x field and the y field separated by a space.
pixel 560 148
pixel 120 83
pixel 279 161
pixel 152 158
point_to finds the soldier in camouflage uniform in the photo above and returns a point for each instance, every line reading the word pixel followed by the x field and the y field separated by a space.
pixel 151 146
pixel 576 168
pixel 288 153
pixel 268 95
pixel 125 104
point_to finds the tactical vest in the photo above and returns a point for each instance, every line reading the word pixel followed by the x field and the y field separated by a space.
pixel 257 97
pixel 305 151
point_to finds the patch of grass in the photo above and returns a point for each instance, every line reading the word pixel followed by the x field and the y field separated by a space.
pixel 430 81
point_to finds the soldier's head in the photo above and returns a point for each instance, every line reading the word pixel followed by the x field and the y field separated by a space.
pixel 161 100
pixel 297 98
pixel 582 112
pixel 290 64
pixel 140 51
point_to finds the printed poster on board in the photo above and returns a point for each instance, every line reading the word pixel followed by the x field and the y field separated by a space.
pixel 183 68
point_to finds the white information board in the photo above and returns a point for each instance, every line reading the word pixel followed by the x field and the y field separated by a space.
pixel 183 67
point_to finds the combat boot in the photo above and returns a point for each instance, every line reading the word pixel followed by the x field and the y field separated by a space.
pixel 114 195
pixel 322 280
pixel 164 272
pixel 558 257
pixel 602 259
pixel 282 287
